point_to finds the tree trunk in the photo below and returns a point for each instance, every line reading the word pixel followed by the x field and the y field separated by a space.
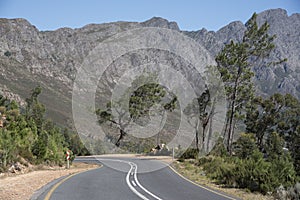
pixel 230 128
pixel 232 135
pixel 122 134
pixel 197 135
pixel 157 137
pixel 212 112
pixel 231 116
pixel 204 125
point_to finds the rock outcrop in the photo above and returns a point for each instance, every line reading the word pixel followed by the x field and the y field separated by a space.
pixel 29 57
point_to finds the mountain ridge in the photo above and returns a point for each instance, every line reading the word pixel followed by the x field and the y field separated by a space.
pixel 50 58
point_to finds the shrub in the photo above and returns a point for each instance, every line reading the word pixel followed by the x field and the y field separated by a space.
pixel 190 153
pixel 245 145
pixel 219 149
pixel 7 53
pixel 254 173
pixel 220 170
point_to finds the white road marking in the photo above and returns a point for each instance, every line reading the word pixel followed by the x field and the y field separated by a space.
pixel 133 171
pixel 203 187
pixel 132 188
pixel 138 183
pixel 133 183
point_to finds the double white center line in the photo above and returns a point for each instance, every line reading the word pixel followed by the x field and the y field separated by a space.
pixel 132 175
pixel 133 172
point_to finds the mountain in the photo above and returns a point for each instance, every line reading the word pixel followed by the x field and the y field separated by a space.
pixel 29 57
pixel 282 78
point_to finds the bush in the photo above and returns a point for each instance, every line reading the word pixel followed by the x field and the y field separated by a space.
pixel 254 173
pixel 190 153
pixel 7 53
pixel 220 170
pixel 245 145
pixel 219 149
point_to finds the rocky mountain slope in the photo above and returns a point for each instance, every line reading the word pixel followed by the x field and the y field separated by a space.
pixel 29 57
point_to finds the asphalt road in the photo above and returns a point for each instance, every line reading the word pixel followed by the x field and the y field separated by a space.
pixel 127 179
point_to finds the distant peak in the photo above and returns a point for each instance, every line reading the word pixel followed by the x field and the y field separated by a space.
pixel 160 22
pixel 278 15
pixel 16 21
pixel 275 12
pixel 157 19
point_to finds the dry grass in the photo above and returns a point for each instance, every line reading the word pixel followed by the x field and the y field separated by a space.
pixel 196 174
pixel 22 186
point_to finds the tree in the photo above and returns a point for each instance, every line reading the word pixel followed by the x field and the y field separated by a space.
pixel 263 116
pixel 294 146
pixel 245 146
pixel 289 128
pixel 274 146
pixel 28 134
pixel 34 109
pixel 199 115
pixel 145 92
pixel 235 63
pixel 7 148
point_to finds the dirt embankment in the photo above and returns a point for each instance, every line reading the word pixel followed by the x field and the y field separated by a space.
pixel 22 186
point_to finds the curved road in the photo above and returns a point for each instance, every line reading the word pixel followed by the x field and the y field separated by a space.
pixel 127 179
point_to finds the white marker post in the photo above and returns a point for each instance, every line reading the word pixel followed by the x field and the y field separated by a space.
pixel 68 159
pixel 173 154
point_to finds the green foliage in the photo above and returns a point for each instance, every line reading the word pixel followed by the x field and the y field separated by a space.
pixel 264 115
pixel 143 98
pixel 276 124
pixel 294 148
pixel 147 92
pixel 219 149
pixel 245 146
pixel 7 148
pixel 30 135
pixel 144 94
pixel 190 153
pixel 220 170
pixel 274 146
pixel 7 53
pixel 73 143
pixel 267 155
pixel 254 173
pixel 235 64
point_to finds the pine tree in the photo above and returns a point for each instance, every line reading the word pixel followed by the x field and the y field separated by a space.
pixel 235 63
pixel 263 116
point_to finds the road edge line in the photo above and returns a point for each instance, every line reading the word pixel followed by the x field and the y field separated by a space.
pixel 201 186
pixel 53 188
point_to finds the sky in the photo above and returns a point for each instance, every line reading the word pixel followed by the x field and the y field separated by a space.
pixel 189 14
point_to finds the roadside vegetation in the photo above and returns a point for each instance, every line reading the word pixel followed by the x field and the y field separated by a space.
pixel 265 158
pixel 258 149
pixel 25 133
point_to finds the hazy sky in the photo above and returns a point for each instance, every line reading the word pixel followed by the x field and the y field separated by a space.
pixel 190 15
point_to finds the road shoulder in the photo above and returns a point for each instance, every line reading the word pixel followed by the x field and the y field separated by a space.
pixel 189 172
pixel 23 186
